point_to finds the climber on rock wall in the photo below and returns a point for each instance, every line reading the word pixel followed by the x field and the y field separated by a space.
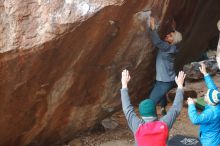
pixel 165 73
pixel 149 130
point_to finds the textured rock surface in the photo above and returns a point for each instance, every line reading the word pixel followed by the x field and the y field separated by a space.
pixel 187 93
pixel 192 70
pixel 61 60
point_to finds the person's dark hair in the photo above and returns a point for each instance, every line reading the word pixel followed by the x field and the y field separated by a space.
pixel 169 26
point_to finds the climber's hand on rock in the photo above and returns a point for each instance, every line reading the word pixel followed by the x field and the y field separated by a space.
pixel 203 69
pixel 125 78
pixel 152 23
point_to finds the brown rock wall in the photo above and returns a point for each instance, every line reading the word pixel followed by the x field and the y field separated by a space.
pixel 61 62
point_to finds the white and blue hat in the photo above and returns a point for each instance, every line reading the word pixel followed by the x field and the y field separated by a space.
pixel 213 96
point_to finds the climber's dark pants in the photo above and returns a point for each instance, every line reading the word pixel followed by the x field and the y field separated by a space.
pixel 158 93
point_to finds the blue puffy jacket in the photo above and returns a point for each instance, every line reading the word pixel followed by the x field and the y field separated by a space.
pixel 209 119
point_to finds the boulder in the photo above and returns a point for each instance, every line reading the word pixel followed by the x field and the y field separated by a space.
pixel 75 142
pixel 192 70
pixel 61 61
pixel 109 123
pixel 187 93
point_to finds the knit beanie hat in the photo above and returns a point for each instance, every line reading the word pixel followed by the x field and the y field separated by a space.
pixel 147 108
pixel 177 37
pixel 213 96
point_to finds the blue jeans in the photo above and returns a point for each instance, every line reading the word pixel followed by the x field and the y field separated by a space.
pixel 158 93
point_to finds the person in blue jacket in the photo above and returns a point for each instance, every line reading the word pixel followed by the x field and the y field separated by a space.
pixel 209 119
pixel 165 73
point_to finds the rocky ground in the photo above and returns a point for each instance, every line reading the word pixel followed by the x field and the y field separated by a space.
pixel 122 136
